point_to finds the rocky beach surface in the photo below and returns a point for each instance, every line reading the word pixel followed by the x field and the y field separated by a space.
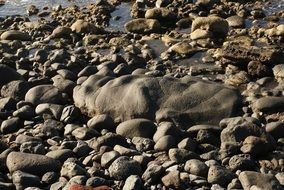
pixel 138 95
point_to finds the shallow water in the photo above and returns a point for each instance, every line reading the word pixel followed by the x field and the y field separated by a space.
pixel 18 7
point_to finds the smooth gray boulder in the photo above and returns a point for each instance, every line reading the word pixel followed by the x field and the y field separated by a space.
pixel 181 101
pixel 31 163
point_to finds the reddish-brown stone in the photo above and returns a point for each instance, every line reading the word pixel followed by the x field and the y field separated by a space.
pixel 81 187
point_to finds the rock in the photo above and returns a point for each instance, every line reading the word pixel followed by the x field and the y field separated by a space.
pixel 153 173
pixel 280 178
pixel 258 69
pixel 218 26
pixel 136 128
pixel 31 163
pixel 196 167
pixel 123 167
pixel 51 109
pixel 145 99
pixel 25 112
pixel 167 128
pixel 23 180
pixel 133 182
pixel 181 155
pixel 172 179
pixel 188 144
pixel 109 139
pixel 71 169
pixel 61 32
pixel 84 27
pixel 81 187
pixel 220 175
pixel 183 48
pixel 7 104
pixel 165 143
pixel 61 154
pixel 241 162
pixel 163 15
pixel 7 75
pixel 239 132
pixel 250 179
pixel 11 125
pixel 84 133
pixel 236 21
pixel 44 94
pixel 142 25
pixel 15 89
pixel 108 158
pixel 143 144
pixel 256 146
pixel 15 35
pixel 70 114
pixel 269 104
pixel 200 34
pixel 98 181
pixel 100 122
pixel 276 129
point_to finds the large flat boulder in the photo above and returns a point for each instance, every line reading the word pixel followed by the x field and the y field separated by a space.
pixel 184 101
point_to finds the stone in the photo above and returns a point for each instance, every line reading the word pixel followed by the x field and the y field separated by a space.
pixel 218 26
pixel 123 167
pixel 7 75
pixel 44 94
pixel 269 104
pixel 61 154
pixel 51 109
pixel 183 48
pixel 133 182
pixel 81 187
pixel 196 167
pixel 142 25
pixel 153 173
pixel 15 35
pixel 125 151
pixel 31 163
pixel 181 155
pixel 109 139
pixel 71 169
pixel 280 177
pixel 145 99
pixel 172 179
pixel 11 125
pixel 23 180
pixel 236 21
pixel 188 144
pixel 108 157
pixel 143 144
pixel 61 32
pixel 166 128
pixel 200 34
pixel 165 143
pixel 220 175
pixel 276 129
pixel 256 146
pixel 84 133
pixel 163 15
pixel 136 128
pixel 250 179
pixel 235 132
pixel 15 89
pixel 83 27
pixel 70 114
pixel 100 122
pixel 241 162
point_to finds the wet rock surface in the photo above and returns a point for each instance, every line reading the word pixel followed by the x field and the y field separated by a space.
pixel 142 95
